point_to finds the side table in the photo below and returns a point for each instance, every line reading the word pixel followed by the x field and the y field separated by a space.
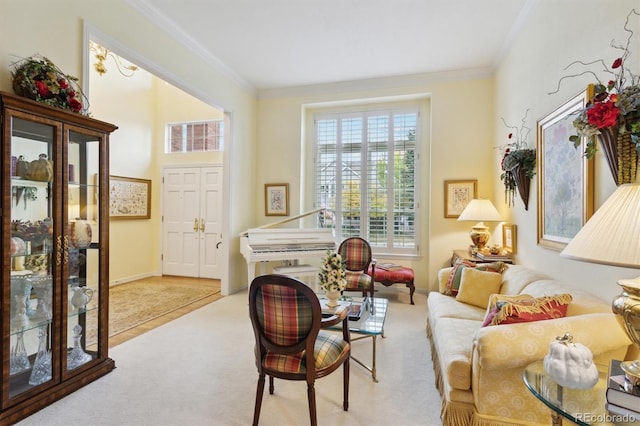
pixel 584 407
pixel 465 255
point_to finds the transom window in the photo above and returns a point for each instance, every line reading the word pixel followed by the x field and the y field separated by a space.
pixel 365 177
pixel 195 136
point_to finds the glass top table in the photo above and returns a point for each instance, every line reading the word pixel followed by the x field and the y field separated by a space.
pixel 370 324
pixel 582 406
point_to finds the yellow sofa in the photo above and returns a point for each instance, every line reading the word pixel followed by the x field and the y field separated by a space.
pixel 479 369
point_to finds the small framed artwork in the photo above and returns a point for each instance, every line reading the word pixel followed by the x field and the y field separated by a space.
pixel 129 198
pixel 457 194
pixel 509 239
pixel 276 199
pixel 565 177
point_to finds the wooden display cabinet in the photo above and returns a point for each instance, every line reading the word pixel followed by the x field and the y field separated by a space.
pixel 55 250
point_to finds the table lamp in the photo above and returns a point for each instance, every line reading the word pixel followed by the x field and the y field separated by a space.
pixel 480 210
pixel 612 237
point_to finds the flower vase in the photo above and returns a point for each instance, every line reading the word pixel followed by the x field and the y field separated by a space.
pixel 523 183
pixel 332 296
pixel 620 154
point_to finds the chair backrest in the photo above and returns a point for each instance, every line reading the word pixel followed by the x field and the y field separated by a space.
pixel 356 254
pixel 285 314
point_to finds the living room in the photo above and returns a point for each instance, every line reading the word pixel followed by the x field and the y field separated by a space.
pixel 465 112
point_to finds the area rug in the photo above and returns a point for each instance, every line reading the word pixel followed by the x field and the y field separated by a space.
pixel 135 303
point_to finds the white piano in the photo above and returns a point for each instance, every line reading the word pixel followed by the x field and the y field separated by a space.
pixel 267 244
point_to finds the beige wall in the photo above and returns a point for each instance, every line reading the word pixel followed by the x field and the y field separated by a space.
pixel 557 34
pixel 458 128
pixel 56 31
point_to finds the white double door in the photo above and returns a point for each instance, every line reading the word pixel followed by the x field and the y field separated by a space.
pixel 192 222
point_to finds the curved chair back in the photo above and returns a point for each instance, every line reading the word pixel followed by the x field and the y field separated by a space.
pixel 356 254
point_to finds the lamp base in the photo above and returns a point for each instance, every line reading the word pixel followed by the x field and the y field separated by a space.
pixel 626 306
pixel 632 371
pixel 479 235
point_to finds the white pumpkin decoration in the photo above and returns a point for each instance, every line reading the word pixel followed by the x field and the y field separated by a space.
pixel 571 364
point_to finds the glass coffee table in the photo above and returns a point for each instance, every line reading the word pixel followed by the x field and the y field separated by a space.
pixel 584 407
pixel 369 325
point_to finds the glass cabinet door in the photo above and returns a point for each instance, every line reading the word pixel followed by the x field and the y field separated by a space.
pixel 83 247
pixel 35 259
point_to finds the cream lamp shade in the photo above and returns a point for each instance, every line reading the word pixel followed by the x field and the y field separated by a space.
pixel 480 210
pixel 612 237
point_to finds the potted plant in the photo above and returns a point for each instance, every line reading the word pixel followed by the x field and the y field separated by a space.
pixel 518 164
pixel 612 115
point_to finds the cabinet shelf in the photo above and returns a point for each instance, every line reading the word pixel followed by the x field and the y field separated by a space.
pixel 40 314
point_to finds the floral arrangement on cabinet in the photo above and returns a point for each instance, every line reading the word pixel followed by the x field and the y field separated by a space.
pixel 612 115
pixel 518 163
pixel 38 78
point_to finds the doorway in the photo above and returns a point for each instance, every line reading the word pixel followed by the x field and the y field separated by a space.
pixel 192 224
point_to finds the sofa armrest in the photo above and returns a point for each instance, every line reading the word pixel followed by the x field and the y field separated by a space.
pixel 517 345
pixel 443 277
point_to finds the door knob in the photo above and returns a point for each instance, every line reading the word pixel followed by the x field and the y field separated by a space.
pixel 202 225
pixel 195 225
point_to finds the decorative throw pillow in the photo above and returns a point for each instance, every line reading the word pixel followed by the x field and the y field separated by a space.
pixel 453 283
pixel 477 286
pixel 504 309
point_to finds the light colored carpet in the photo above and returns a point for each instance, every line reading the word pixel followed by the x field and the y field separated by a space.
pixel 200 370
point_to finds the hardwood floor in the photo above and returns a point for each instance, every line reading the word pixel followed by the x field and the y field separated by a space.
pixel 177 281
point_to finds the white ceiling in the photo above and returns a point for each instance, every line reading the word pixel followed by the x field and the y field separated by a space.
pixel 275 44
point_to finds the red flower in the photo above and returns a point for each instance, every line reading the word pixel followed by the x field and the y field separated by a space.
pixel 613 97
pixel 43 89
pixel 63 83
pixel 617 63
pixel 510 135
pixel 603 115
pixel 75 104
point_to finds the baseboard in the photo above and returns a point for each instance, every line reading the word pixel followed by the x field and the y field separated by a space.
pixel 132 278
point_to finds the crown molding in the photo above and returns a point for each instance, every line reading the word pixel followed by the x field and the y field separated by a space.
pixel 167 25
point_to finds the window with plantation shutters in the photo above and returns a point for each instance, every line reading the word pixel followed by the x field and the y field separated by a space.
pixel 365 176
pixel 195 136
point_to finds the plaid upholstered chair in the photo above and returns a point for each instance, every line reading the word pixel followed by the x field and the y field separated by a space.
pixel 356 253
pixel 287 321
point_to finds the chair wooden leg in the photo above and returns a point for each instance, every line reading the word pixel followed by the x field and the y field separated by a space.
pixel 345 384
pixel 259 392
pixel 311 395
pixel 271 388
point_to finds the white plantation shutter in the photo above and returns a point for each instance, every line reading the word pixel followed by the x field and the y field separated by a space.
pixel 366 176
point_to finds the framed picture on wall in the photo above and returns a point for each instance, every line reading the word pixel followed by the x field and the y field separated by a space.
pixel 457 194
pixel 509 237
pixel 565 177
pixel 276 199
pixel 129 198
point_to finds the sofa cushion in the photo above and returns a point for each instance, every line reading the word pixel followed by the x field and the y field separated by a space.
pixel 583 302
pixel 504 309
pixel 476 286
pixel 453 339
pixel 441 306
pixel 516 277
pixel 453 282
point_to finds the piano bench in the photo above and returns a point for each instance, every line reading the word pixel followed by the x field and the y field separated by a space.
pixel 388 278
pixel 305 273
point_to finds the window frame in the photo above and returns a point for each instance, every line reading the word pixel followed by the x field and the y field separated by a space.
pixel 218 144
pixel 388 247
